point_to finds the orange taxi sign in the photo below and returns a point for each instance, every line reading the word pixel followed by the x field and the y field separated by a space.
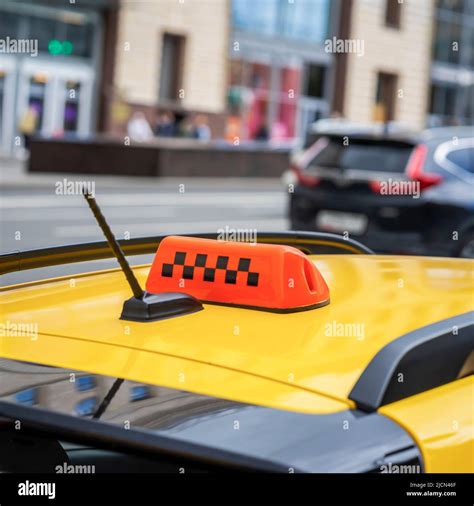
pixel 258 276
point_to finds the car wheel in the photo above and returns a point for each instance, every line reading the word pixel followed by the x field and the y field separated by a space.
pixel 467 248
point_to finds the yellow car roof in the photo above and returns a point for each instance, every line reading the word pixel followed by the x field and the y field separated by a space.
pixel 307 361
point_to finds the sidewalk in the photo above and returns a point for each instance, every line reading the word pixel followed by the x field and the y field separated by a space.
pixel 13 174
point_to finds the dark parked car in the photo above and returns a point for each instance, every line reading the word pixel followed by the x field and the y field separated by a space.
pixel 397 193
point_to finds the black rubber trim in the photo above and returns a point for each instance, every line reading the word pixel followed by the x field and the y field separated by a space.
pixel 106 435
pixel 308 242
pixel 423 359
pixel 277 310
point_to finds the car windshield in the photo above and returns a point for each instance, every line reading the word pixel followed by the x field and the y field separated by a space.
pixel 363 155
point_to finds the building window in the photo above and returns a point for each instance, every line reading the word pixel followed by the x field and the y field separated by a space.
pixel 247 18
pixel 451 5
pixel 305 19
pixel 453 33
pixel 37 93
pixel 298 20
pixel 139 393
pixel 171 69
pixel 451 104
pixel 9 25
pixel 384 109
pixel 86 407
pixel 81 37
pixel 84 383
pixel 44 30
pixel 393 10
pixel 71 106
pixel 447 42
pixel 28 397
pixel 442 100
pixel 315 81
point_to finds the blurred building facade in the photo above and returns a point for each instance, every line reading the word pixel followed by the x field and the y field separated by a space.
pixel 268 71
pixel 257 69
pixel 52 63
pixel 389 79
pixel 171 55
pixel 418 62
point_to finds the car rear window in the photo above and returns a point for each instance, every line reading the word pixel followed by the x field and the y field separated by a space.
pixel 365 155
pixel 463 158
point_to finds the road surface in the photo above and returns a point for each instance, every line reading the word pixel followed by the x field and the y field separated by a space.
pixel 34 215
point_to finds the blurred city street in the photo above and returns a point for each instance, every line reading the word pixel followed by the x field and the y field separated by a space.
pixel 33 216
pixel 189 117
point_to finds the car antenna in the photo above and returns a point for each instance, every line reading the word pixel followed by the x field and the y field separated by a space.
pixel 115 246
pixel 143 306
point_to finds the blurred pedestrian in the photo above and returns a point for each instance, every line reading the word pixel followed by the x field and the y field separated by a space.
pixel 202 131
pixel 138 127
pixel 186 128
pixel 28 124
pixel 262 133
pixel 166 125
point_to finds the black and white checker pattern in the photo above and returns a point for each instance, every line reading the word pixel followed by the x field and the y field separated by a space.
pixel 188 271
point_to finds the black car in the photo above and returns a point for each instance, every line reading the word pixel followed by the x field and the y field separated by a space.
pixel 398 193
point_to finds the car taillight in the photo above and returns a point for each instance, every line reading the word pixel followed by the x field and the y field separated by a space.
pixel 415 166
pixel 375 186
pixel 303 177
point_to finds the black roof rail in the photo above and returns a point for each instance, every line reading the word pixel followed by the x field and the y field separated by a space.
pixel 415 362
pixel 308 242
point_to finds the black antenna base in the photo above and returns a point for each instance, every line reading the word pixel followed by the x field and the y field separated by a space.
pixel 152 307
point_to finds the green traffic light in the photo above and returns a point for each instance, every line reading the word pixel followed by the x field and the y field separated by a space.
pixel 56 47
pixel 67 47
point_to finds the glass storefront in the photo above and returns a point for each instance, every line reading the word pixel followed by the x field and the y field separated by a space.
pixel 299 20
pixel 278 86
pixel 53 82
pixel 71 107
pixel 36 97
pixel 271 100
pixel 265 98
pixel 452 73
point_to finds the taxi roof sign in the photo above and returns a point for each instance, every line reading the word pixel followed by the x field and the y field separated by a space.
pixel 268 277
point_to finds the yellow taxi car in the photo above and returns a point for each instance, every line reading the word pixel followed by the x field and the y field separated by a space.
pixel 303 352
